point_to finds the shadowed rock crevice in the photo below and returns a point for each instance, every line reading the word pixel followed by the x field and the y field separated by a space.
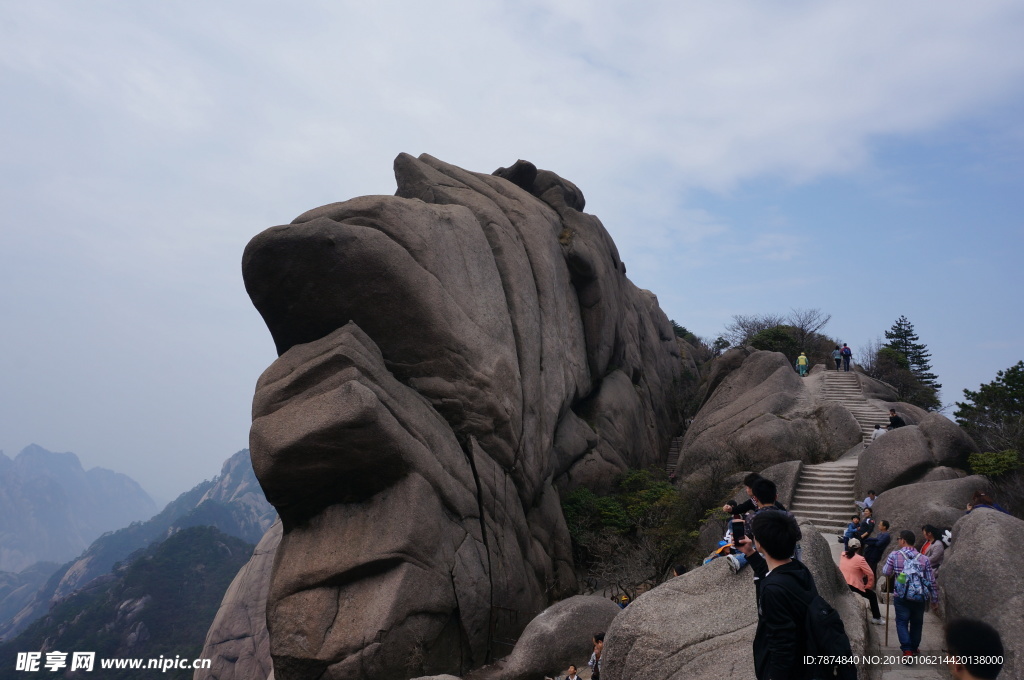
pixel 440 352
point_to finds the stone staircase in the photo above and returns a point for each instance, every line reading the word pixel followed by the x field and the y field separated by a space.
pixel 824 495
pixel 844 387
pixel 673 455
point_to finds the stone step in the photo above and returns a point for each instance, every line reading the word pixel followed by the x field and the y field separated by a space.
pixel 821 517
pixel 829 503
pixel 828 469
pixel 825 492
pixel 838 481
pixel 824 484
pixel 837 478
pixel 823 497
pixel 837 517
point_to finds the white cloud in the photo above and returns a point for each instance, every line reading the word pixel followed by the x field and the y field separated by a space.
pixel 144 144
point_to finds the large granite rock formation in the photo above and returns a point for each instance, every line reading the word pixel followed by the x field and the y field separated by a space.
pixel 238 643
pixel 980 579
pixel 701 625
pixel 451 357
pixel 758 412
pixel 910 453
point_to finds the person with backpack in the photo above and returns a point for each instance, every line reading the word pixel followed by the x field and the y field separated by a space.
pixel 914 589
pixel 793 621
pixel 801 364
pixel 847 355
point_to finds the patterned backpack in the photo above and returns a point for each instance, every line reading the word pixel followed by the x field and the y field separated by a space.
pixel 911 583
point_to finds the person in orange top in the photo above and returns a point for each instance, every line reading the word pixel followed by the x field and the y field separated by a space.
pixel 860 577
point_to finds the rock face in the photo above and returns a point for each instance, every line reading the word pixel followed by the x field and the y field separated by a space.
pixel 450 358
pixel 701 625
pixel 559 636
pixel 17 589
pixel 979 579
pixel 238 642
pixel 910 453
pixel 758 412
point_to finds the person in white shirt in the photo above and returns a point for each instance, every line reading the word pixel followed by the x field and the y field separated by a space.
pixel 879 431
pixel 868 501
pixel 571 673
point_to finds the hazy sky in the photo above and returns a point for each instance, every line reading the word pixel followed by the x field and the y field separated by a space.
pixel 864 158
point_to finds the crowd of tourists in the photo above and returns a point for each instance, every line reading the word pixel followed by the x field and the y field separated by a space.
pixel 794 623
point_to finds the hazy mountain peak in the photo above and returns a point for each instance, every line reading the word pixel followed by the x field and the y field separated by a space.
pixel 54 508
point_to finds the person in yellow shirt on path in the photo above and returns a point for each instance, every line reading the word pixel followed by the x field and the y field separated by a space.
pixel 801 364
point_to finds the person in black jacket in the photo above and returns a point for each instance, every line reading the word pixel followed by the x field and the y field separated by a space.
pixel 867 525
pixel 734 508
pixel 874 547
pixel 780 641
pixel 764 494
pixel 895 421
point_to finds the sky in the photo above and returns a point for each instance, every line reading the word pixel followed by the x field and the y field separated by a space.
pixel 862 158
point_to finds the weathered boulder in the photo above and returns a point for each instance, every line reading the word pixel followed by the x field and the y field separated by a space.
pixel 785 475
pixel 559 636
pixel 908 454
pixel 947 441
pixel 237 643
pixel 942 472
pixel 451 357
pixel 981 579
pixel 912 415
pixel 898 457
pixel 876 389
pixel 701 625
pixel 939 503
pixel 758 412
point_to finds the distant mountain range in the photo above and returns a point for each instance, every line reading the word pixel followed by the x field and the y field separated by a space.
pixel 233 502
pixel 51 509
pixel 159 603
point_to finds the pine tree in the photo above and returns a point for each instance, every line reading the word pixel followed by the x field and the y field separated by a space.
pixel 994 413
pixel 902 338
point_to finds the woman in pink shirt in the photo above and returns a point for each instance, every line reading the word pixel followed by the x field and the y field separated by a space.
pixel 860 577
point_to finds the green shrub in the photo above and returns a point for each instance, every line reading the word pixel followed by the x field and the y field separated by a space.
pixel 994 463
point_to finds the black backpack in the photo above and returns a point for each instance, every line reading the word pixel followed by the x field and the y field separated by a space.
pixel 826 634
